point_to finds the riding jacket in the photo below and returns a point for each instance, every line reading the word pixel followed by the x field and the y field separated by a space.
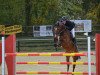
pixel 69 25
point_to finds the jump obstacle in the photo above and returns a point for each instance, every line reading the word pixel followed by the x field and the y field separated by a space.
pixel 49 54
pixel 32 72
pixel 58 63
pixel 10 54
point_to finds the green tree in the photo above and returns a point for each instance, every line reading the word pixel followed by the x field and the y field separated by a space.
pixel 71 8
pixel 91 10
pixel 11 12
pixel 44 11
pixel 37 12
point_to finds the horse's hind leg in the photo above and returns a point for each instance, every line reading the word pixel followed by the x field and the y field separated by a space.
pixel 67 59
pixel 74 60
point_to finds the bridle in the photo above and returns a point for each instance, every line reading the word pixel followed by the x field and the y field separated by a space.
pixel 65 28
pixel 61 31
pixel 58 35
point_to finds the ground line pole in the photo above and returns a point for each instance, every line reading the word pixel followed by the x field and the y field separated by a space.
pixel 3 55
pixel 89 55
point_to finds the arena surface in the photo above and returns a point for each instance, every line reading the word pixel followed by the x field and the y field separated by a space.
pixel 31 67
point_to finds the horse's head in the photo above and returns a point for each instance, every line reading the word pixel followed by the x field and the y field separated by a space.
pixel 58 28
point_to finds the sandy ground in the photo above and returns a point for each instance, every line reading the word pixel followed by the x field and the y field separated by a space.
pixel 28 67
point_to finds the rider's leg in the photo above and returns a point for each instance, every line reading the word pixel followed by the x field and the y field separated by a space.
pixel 73 36
pixel 72 32
pixel 75 42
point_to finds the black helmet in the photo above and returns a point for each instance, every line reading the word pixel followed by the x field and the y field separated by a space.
pixel 64 18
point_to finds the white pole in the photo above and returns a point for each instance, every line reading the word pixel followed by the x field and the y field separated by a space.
pixel 89 55
pixel 3 55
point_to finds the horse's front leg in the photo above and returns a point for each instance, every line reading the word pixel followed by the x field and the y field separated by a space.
pixel 74 60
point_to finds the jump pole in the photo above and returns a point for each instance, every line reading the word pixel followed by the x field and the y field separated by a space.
pixel 89 52
pixel 10 47
pixel 89 55
pixel 3 55
pixel 97 46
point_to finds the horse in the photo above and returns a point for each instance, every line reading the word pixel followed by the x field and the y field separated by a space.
pixel 63 38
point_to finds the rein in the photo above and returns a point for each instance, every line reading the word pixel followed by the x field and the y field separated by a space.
pixel 58 43
pixel 62 31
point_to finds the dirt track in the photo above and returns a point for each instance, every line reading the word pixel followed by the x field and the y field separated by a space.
pixel 79 68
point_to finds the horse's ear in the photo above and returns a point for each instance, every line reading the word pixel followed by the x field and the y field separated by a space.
pixel 61 24
pixel 56 24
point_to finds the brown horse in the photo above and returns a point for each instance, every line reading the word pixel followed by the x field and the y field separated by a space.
pixel 63 38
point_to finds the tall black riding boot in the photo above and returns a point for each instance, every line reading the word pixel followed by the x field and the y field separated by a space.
pixel 75 43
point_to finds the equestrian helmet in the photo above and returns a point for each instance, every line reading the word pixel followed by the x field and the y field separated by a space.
pixel 64 18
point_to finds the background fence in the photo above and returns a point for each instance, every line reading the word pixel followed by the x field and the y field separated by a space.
pixel 29 42
pixel 47 44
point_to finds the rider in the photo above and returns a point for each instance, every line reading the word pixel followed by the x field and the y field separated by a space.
pixel 69 25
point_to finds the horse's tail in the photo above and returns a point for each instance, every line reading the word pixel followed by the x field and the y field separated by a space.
pixel 78 57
